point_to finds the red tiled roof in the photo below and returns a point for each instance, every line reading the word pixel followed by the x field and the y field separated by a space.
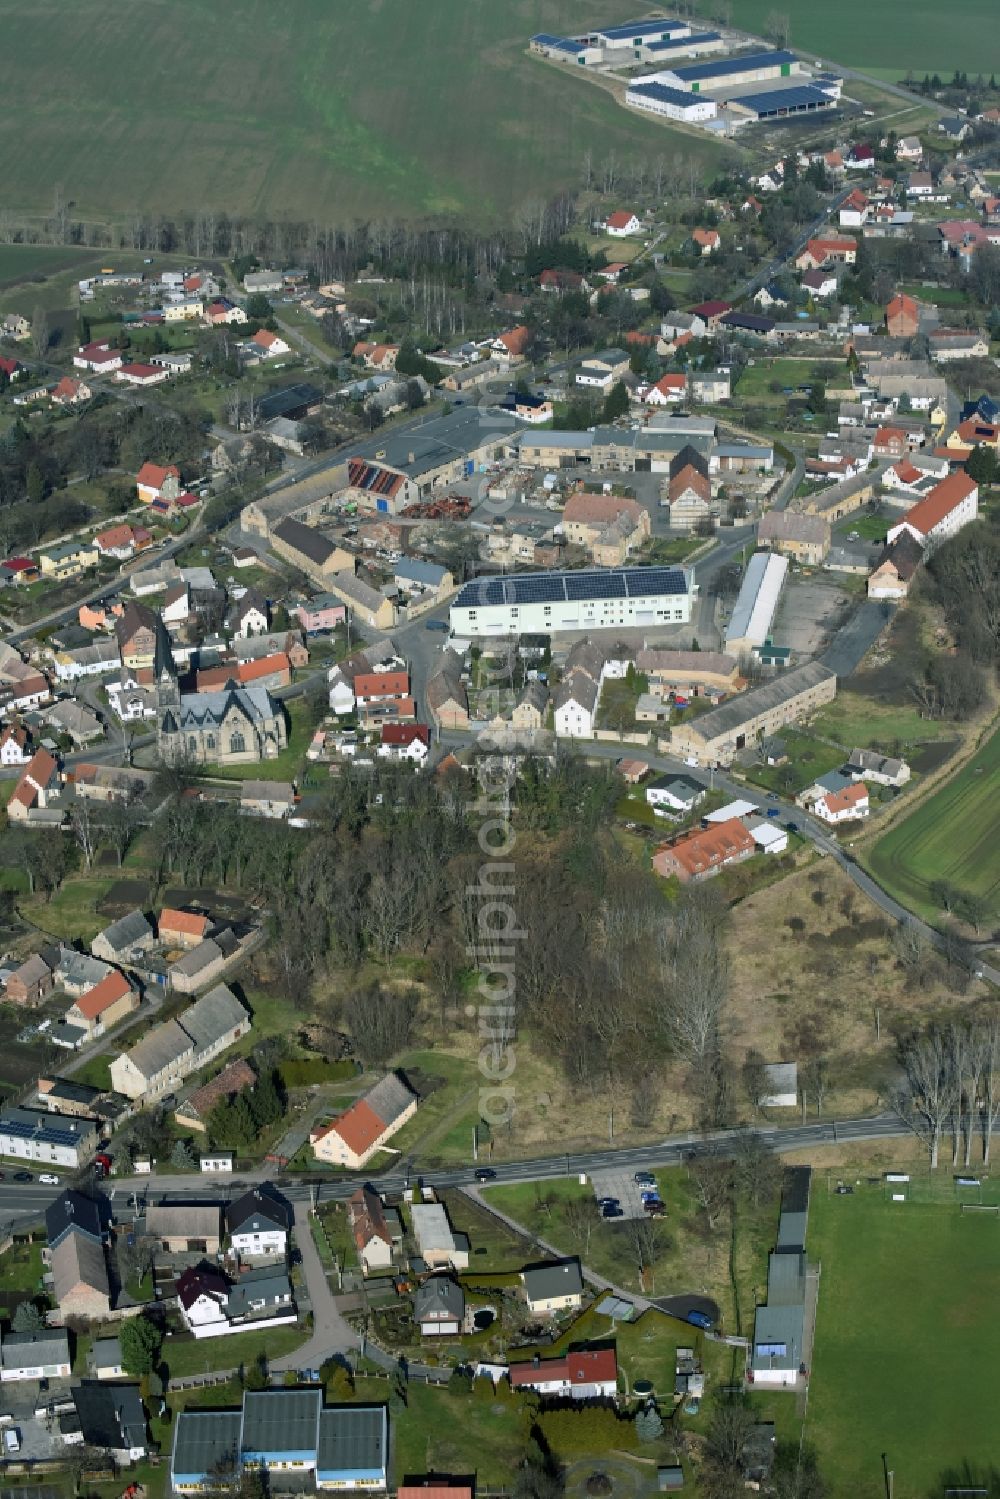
pixel 152 476
pixel 906 472
pixel 620 219
pixel 103 995
pixel 942 500
pixel 183 922
pixel 360 1127
pixel 405 733
pixel 842 801
pixel 515 341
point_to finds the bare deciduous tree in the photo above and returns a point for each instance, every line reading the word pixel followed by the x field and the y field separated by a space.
pixel 929 1093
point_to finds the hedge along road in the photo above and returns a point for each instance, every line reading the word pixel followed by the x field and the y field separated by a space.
pixel 953 836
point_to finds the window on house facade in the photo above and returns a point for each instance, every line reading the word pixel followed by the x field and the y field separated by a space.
pixel 237 744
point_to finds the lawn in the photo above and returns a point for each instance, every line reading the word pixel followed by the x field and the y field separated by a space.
pixel 808 759
pixel 329 113
pixel 71 913
pixel 952 836
pixel 20 1272
pixel 756 379
pixel 191 1356
pixel 855 720
pixel 909 34
pixel 905 1342
pixel 95 1072
pixel 19 262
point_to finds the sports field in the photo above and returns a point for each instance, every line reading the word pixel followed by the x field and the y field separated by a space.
pixel 953 836
pixel 905 1354
pixel 891 37
pixel 333 110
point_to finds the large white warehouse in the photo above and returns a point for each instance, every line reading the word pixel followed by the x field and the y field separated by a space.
pixel 672 103
pixel 597 598
pixel 754 610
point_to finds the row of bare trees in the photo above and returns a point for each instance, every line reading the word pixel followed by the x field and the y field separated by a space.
pixel 950 1084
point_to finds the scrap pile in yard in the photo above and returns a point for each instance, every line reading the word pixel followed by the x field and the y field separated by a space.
pixel 451 507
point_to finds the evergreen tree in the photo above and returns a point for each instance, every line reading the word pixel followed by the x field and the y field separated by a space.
pixel 616 403
pixel 27 1318
pixel 649 1424
pixel 140 1341
pixel 34 484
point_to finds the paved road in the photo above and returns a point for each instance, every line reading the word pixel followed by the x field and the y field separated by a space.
pixel 17 1200
pixel 331 1333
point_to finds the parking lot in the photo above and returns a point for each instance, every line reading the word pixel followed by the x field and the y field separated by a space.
pixel 620 1184
pixel 39 1435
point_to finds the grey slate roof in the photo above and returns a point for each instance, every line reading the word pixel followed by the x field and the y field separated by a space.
pixel 127 931
pixel 261 1210
pixel 305 539
pixel 111 1415
pixel 352 1437
pixel 106 1353
pixel 728 716
pixel 203 1440
pixel 73 1211
pixel 439 1298
pixel 162 1046
pixel 389 1098
pixel 269 1286
pixel 545 1282
pixel 20 1350
pixel 188 1220
pixel 281 1421
pixel 213 1016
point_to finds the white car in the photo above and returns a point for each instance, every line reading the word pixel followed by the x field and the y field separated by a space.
pixel 12 1439
pixel 49 1179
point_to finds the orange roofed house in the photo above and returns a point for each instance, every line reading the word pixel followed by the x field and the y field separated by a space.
pixel 182 928
pixel 153 483
pixel 943 512
pixel 103 1006
pixel 588 1374
pixel 902 317
pixel 510 347
pixel 833 250
pixel 38 784
pixel 701 854
pixel 354 1136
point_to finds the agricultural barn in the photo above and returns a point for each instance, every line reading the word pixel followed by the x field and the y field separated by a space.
pixel 728 73
pixel 672 103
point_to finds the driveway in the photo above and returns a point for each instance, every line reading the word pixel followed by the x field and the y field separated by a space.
pixel 331 1333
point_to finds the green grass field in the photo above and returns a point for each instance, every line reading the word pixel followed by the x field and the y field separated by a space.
pixel 905 1342
pixel 901 34
pixel 952 836
pixel 857 720
pixel 319 109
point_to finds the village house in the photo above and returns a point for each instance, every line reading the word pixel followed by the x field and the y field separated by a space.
pixel 48 1138
pixel 125 940
pixel 895 568
pixel 376 1230
pixel 610 525
pixel 203 964
pixel 30 983
pixel 831 250
pixel 101 1007
pixel 950 505
pixel 70 392
pixel 80 1276
pixel 902 317
pixel 439 1307
pixel 688 490
pixel 509 348
pixel 156 482
pixel 806 538
pixel 15 745
pixel 184 929
pixel 884 770
pixel 701 854
pixel 438 1245
pixel 37 788
pixel 621 224
pixel 176 1048
pixel 185 1226
pixel 194 1111
pixel 552 1288
pixel 35 1355
pixel 355 1136
pixel 260 1223
pixel 585 1374
pixel 842 806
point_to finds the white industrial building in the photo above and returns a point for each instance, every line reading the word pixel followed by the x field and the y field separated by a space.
pixel 755 608
pixel 673 103
pixel 599 598
pixel 722 73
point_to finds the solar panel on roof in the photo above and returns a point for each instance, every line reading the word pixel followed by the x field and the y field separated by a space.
pixel 723 66
pixel 595 586
pixel 643 581
pixel 535 590
pixel 772 101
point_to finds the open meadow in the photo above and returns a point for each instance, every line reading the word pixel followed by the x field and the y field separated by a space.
pixel 313 109
pixel 952 836
pixel 905 1341
pixel 900 35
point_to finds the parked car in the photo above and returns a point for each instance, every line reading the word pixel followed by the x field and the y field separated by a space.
pixel 609 1202
pixel 23 1176
pixel 437 624
pixel 699 1319
pixel 612 1211
pixel 655 1209
pixel 653 1195
pixel 49 1179
pixel 644 1179
pixel 12 1439
pixel 485 1174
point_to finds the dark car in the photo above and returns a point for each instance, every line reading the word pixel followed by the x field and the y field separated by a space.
pixel 437 624
pixel 23 1176
pixel 699 1319
pixel 485 1174
pixel 609 1202
pixel 644 1179
pixel 612 1211
pixel 655 1209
